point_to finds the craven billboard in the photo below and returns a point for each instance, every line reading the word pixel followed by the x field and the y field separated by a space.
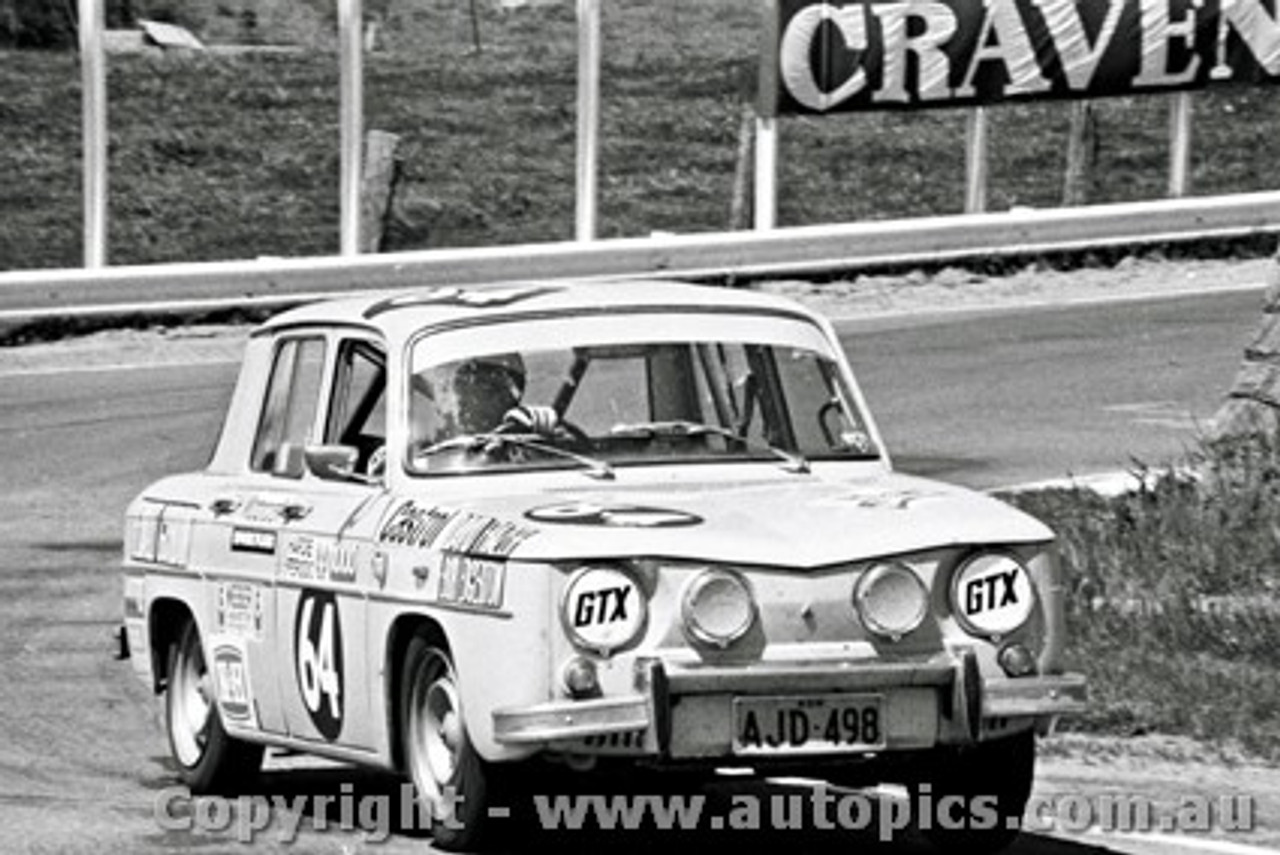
pixel 827 57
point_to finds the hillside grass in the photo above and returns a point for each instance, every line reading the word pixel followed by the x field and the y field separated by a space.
pixel 235 156
pixel 1173 606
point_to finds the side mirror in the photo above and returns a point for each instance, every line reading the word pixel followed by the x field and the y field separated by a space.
pixel 332 462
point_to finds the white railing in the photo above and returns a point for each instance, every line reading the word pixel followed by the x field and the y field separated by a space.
pixel 31 295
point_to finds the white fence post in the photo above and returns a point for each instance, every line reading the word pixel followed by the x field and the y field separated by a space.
pixel 766 183
pixel 588 119
pixel 94 127
pixel 976 162
pixel 1180 145
pixel 351 121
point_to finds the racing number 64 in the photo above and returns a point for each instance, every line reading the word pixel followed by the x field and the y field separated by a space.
pixel 318 646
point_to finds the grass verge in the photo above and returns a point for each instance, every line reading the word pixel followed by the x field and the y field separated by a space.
pixel 1173 610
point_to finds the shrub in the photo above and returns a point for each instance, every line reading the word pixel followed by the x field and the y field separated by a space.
pixel 1174 595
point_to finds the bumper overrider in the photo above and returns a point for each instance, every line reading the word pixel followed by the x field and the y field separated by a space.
pixel 686 712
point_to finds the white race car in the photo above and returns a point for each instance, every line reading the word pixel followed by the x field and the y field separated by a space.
pixel 455 532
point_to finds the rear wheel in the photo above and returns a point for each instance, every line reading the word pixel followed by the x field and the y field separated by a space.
pixel 993 780
pixel 453 783
pixel 209 760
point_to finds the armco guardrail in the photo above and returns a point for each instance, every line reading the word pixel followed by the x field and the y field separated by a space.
pixel 30 295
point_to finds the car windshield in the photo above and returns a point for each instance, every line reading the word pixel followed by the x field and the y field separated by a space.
pixel 543 401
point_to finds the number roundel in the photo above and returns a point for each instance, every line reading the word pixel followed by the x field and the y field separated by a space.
pixel 317 637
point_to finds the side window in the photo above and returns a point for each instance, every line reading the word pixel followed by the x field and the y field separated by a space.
pixel 358 406
pixel 293 394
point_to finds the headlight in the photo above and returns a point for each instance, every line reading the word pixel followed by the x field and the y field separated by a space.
pixel 891 600
pixel 992 594
pixel 718 608
pixel 604 609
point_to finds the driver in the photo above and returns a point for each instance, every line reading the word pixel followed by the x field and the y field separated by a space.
pixel 488 391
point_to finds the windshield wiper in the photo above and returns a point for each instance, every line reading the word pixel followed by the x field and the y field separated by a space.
pixel 794 461
pixel 492 440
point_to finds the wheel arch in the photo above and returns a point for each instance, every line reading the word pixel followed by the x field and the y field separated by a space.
pixel 165 621
pixel 402 632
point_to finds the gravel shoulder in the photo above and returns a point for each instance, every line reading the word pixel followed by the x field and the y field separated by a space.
pixel 957 289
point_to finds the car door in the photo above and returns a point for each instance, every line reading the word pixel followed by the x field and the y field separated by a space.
pixel 328 563
pixel 250 506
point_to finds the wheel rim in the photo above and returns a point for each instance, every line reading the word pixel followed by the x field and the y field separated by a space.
pixel 436 735
pixel 190 707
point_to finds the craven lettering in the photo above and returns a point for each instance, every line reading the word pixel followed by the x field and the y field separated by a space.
pixel 930 52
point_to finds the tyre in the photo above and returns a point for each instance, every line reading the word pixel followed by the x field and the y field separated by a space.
pixel 454 785
pixel 994 779
pixel 210 762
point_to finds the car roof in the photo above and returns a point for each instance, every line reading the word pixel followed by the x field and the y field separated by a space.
pixel 399 313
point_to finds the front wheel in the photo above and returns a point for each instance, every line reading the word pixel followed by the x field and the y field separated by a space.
pixel 210 762
pixel 452 781
pixel 992 781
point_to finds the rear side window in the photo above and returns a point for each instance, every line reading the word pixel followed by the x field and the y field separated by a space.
pixel 293 394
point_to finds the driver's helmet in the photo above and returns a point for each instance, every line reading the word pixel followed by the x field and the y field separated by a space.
pixel 485 388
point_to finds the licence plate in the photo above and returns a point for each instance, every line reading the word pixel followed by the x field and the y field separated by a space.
pixel 811 724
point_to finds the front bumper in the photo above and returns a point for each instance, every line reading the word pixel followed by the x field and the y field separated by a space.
pixel 681 711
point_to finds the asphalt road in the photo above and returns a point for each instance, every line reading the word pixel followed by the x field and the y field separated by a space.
pixel 983 399
pixel 994 398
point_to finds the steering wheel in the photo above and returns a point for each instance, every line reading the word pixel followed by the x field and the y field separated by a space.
pixel 543 422
pixel 577 435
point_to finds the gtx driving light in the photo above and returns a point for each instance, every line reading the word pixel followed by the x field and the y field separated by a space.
pixel 890 600
pixel 718 608
pixel 992 594
pixel 604 609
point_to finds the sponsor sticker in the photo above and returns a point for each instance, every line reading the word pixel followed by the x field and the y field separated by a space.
pixel 470 582
pixel 231 679
pixel 256 540
pixel 239 609
pixel 413 525
pixel 270 509
pixel 453 531
pixel 311 559
pixel 452 295
pixel 993 594
pixel 477 534
pixel 603 608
